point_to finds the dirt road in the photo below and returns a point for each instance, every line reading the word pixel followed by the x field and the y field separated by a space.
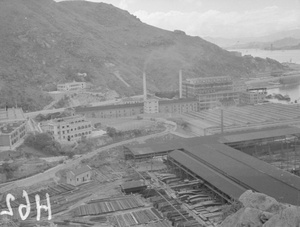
pixel 50 174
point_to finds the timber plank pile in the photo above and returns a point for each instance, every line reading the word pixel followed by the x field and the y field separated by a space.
pixel 173 211
pixel 202 204
pixel 98 207
pixel 198 199
pixel 136 218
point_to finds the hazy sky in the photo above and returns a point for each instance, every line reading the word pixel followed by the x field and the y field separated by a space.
pixel 216 18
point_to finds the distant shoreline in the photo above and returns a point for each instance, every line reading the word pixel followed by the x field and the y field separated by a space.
pixel 282 56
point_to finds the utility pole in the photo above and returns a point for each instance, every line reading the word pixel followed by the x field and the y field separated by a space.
pixel 222 123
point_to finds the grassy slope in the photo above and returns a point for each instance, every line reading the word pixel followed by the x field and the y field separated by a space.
pixel 43 43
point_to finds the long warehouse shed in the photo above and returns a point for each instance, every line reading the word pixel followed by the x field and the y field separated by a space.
pixel 240 171
pixel 226 169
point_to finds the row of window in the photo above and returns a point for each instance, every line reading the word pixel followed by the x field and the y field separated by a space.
pixel 13 141
pixel 77 135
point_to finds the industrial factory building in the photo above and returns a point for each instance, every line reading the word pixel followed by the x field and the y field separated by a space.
pixel 68 128
pixel 212 92
pixel 228 171
pixel 193 87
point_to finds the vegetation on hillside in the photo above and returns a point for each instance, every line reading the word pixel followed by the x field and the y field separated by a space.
pixel 43 142
pixel 44 42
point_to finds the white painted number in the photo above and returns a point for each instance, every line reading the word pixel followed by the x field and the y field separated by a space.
pixel 26 207
pixel 45 207
pixel 9 197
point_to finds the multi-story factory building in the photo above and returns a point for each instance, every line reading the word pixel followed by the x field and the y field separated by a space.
pixel 151 106
pixel 68 128
pixel 253 96
pixel 178 105
pixel 11 134
pixel 111 111
pixel 127 110
pixel 193 87
pixel 212 100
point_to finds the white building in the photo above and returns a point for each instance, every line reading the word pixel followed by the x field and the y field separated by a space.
pixel 68 128
pixel 73 86
pixel 151 106
pixel 79 176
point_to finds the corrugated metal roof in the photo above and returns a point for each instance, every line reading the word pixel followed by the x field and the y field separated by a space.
pixel 259 134
pixel 81 170
pixel 143 149
pixel 107 107
pixel 260 165
pixel 132 184
pixel 216 179
pixel 247 173
pixel 171 101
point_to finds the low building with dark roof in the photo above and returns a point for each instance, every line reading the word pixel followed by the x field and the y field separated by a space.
pixel 111 111
pixel 79 176
pixel 133 186
pixel 133 109
pixel 229 172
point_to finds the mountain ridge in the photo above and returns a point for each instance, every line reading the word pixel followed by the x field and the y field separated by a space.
pixel 45 42
pixel 228 43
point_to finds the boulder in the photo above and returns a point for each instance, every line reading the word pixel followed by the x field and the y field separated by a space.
pixel 289 217
pixel 249 217
pixel 261 202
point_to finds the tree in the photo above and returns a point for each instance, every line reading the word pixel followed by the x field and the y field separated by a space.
pixel 112 132
pixel 7 169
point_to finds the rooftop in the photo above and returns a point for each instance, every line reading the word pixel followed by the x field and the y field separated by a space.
pixel 107 107
pixel 203 80
pixel 262 134
pixel 171 101
pixel 81 170
pixel 132 184
pixel 144 149
pixel 70 83
pixel 7 128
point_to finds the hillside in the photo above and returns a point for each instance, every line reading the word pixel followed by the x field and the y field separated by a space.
pixel 44 43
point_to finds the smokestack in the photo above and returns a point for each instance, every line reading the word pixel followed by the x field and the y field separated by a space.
pixel 144 86
pixel 180 84
pixel 222 122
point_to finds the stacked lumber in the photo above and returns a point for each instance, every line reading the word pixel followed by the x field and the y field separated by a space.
pixel 108 206
pixel 136 218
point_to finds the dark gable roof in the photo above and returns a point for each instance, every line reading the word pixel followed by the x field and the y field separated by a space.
pixel 81 170
pixel 107 107
pixel 173 101
pixel 132 184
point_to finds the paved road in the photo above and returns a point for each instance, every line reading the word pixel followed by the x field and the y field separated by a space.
pixel 49 174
